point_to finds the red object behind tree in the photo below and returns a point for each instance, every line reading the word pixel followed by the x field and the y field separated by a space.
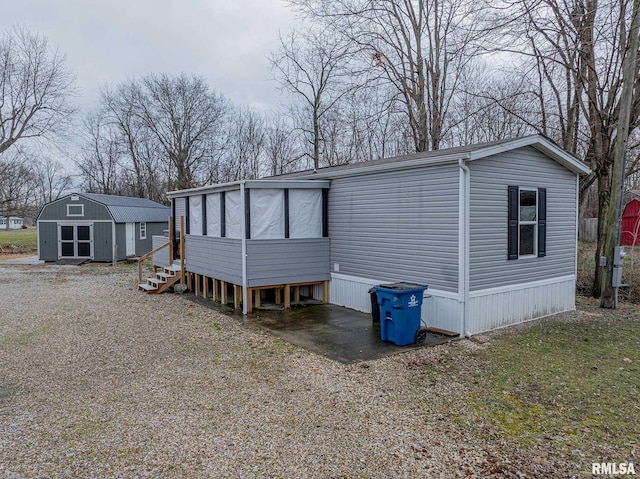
pixel 631 224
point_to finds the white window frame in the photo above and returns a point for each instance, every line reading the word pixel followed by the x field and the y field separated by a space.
pixel 143 230
pixel 525 223
pixel 75 206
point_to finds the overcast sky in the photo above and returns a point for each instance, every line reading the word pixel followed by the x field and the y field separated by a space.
pixel 108 41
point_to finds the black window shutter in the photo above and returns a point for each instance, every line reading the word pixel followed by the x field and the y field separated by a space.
pixel 186 219
pixel 204 214
pixel 542 222
pixel 513 223
pixel 223 217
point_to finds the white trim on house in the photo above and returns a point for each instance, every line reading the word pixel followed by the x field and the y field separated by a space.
pixel 58 221
pixel 539 143
pixel 143 227
pixel 464 232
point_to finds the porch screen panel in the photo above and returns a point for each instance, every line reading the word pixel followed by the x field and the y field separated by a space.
pixel 213 214
pixel 267 213
pixel 305 213
pixel 195 215
pixel 233 214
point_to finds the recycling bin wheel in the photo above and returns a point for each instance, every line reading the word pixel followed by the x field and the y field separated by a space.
pixel 421 335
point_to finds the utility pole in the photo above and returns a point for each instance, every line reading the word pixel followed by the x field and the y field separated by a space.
pixel 609 294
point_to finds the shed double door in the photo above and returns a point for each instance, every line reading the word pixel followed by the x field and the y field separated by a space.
pixel 75 240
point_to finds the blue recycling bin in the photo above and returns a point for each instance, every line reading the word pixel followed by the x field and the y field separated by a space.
pixel 400 311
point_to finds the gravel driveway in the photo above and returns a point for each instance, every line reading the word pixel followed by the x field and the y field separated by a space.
pixel 100 380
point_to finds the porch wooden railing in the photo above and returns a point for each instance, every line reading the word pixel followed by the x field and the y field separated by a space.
pixel 160 248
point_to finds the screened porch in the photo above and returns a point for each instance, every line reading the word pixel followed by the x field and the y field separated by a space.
pixel 252 238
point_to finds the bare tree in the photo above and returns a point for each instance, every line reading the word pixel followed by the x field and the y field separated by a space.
pixel 282 155
pixel 183 115
pixel 17 183
pixel 35 88
pixel 419 46
pixel 577 49
pixel 312 66
pixel 101 159
pixel 245 146
pixel 51 180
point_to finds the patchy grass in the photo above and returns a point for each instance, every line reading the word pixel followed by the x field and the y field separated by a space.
pixel 24 239
pixel 630 271
pixel 569 386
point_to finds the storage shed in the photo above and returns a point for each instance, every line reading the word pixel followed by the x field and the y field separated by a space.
pixel 491 228
pixel 99 227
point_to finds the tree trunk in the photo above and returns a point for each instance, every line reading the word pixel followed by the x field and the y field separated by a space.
pixel 604 185
pixel 608 296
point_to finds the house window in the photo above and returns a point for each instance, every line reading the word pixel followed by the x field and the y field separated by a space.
pixel 528 222
pixel 527 226
pixel 143 230
pixel 75 210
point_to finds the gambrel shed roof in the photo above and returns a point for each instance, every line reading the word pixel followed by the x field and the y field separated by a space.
pixel 125 209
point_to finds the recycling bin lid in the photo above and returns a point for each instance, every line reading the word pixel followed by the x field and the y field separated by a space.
pixel 402 286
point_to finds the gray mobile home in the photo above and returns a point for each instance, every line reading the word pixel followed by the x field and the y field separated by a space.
pixel 99 227
pixel 491 228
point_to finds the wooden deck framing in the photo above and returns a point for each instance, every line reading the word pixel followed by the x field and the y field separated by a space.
pixel 217 290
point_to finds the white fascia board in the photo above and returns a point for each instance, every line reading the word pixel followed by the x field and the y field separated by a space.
pixel 232 186
pixel 251 184
pixel 391 166
pixel 539 143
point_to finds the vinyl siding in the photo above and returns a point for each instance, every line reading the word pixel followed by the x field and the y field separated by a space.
pixel 287 261
pixel 489 180
pixel 398 225
pixel 48 241
pixel 219 258
pixel 57 210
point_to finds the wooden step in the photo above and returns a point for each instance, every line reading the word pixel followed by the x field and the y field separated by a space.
pixel 164 275
pixel 175 268
pixel 147 287
pixel 156 282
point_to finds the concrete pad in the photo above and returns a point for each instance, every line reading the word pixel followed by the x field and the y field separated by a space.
pixel 341 334
pixel 25 260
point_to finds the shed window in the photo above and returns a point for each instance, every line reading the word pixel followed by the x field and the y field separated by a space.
pixel 143 230
pixel 527 222
pixel 75 210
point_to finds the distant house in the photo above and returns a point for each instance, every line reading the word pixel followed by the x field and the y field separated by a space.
pixel 15 223
pixel 99 227
pixel 491 228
